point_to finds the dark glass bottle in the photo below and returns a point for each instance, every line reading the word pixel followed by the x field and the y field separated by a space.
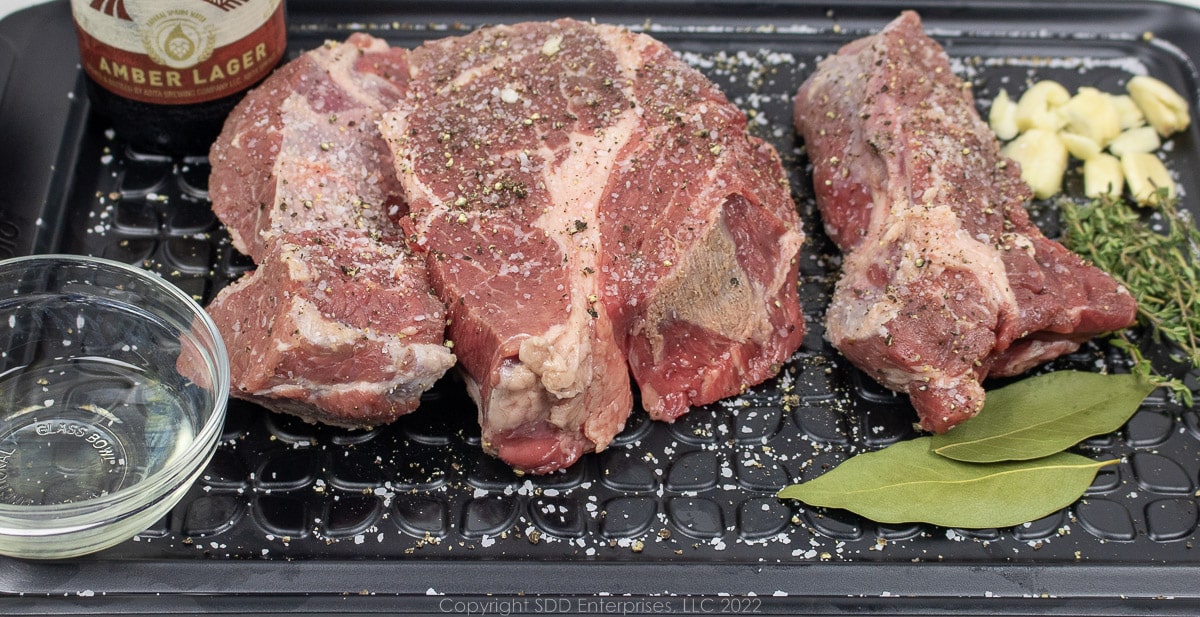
pixel 165 73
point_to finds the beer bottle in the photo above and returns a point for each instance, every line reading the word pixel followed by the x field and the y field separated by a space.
pixel 166 73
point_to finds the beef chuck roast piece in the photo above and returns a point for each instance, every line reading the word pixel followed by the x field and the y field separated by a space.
pixel 337 324
pixel 946 281
pixel 303 150
pixel 583 202
pixel 334 326
pixel 586 200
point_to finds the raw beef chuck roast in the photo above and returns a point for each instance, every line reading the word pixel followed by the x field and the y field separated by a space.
pixel 945 279
pixel 585 200
pixel 303 150
pixel 569 204
pixel 337 324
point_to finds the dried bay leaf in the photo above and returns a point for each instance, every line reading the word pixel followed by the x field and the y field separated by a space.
pixel 909 483
pixel 1041 415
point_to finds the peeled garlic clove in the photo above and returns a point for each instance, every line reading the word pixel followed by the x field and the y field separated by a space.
pixel 1145 175
pixel 1043 160
pixel 1080 147
pixel 1092 114
pixel 1002 117
pixel 1102 175
pixel 1165 110
pixel 1140 139
pixel 1038 106
pixel 1128 113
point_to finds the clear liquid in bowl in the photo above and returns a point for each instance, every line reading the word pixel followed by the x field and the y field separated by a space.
pixel 82 428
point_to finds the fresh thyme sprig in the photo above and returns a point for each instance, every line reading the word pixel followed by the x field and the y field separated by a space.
pixel 1156 257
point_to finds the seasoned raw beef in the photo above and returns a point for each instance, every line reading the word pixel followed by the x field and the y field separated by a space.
pixel 337 324
pixel 589 205
pixel 945 279
pixel 334 326
pixel 303 150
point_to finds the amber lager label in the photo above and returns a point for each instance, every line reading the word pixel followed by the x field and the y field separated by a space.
pixel 178 52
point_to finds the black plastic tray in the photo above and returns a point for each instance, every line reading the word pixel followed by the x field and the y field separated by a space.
pixel 413 518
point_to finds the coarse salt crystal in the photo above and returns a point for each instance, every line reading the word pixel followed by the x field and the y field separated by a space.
pixel 552 45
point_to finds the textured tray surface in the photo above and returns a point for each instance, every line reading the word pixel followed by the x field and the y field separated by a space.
pixel 700 490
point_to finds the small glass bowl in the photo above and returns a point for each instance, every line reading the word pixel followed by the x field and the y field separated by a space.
pixel 113 386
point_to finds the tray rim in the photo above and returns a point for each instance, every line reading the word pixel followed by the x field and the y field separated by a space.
pixel 423 587
pixel 811 586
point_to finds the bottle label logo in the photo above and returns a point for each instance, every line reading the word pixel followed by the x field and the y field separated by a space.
pixel 179 51
pixel 179 39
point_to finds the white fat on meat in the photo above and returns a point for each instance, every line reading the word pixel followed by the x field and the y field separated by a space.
pixel 932 238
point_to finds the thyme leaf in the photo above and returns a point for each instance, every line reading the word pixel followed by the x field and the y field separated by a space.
pixel 1156 256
